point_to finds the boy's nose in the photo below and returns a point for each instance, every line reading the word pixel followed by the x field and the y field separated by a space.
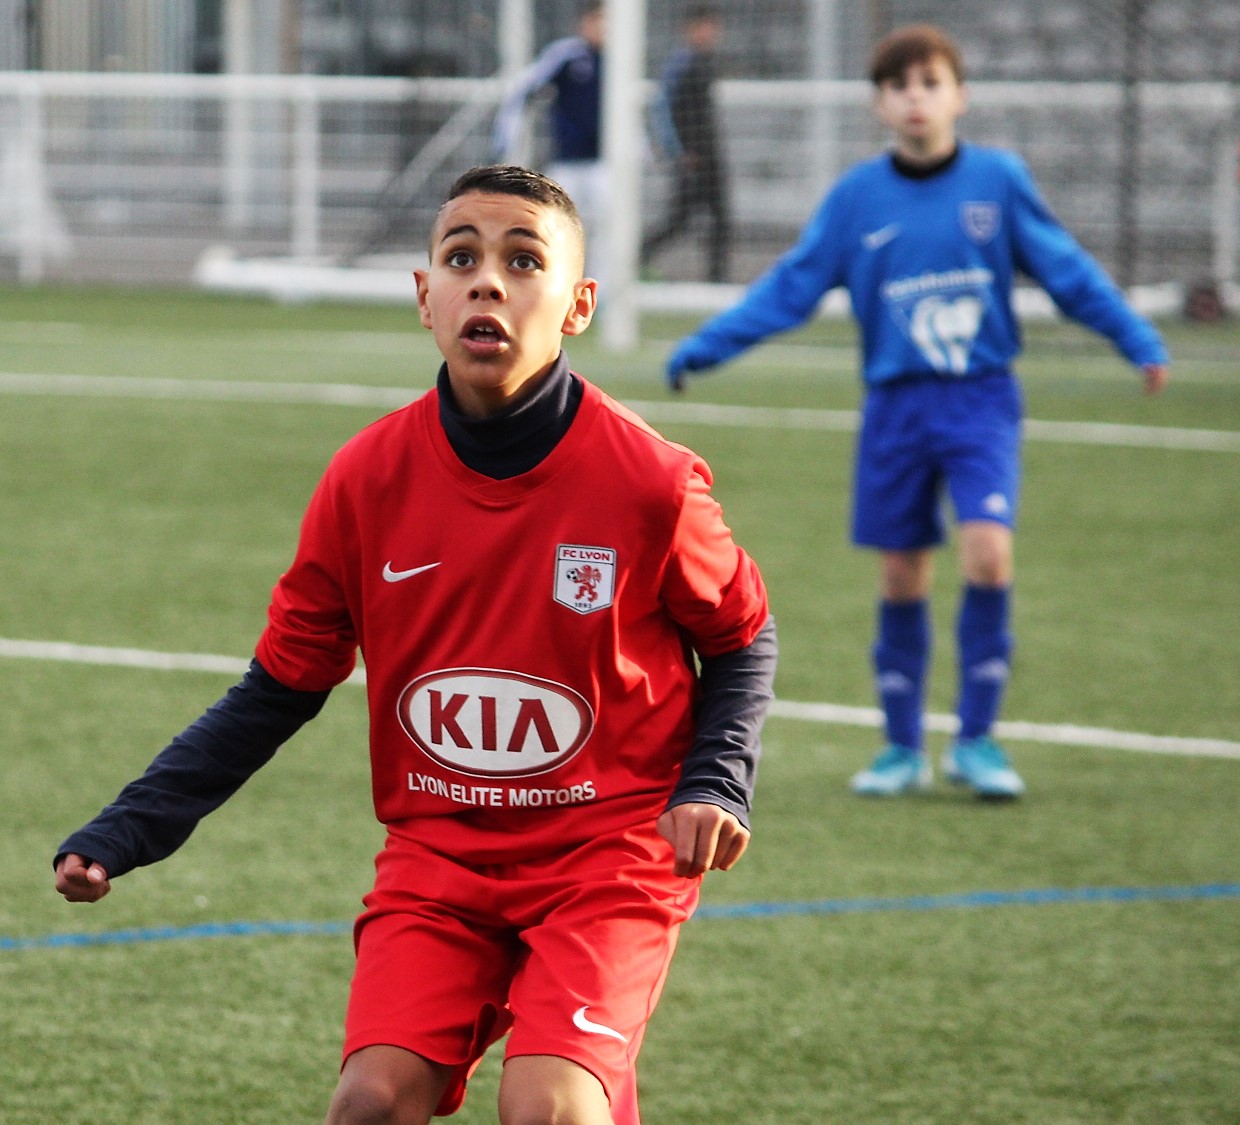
pixel 486 290
pixel 487 284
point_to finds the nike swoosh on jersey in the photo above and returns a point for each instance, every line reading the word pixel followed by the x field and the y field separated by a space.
pixel 390 575
pixel 587 1025
pixel 876 238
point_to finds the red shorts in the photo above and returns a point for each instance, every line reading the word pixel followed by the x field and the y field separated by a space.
pixel 569 952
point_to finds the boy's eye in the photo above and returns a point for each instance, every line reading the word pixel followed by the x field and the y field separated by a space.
pixel 525 261
pixel 458 258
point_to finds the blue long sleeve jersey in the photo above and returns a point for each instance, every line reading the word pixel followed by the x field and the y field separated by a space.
pixel 575 69
pixel 929 265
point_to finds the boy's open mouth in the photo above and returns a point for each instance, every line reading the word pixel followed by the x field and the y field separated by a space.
pixel 484 331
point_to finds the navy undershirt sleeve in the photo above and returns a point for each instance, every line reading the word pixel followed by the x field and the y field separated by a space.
pixel 196 773
pixel 736 690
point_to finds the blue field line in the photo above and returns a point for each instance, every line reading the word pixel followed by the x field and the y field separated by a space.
pixel 1053 896
pixel 178 933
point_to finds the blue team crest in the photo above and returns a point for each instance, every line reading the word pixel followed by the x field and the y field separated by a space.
pixel 980 220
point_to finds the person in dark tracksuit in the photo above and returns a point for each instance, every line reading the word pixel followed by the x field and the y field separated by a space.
pixel 686 128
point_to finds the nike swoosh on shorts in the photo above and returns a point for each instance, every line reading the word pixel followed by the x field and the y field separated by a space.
pixel 592 1028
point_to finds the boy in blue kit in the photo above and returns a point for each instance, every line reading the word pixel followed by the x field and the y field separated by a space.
pixel 927 239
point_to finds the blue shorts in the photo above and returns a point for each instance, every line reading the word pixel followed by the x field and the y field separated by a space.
pixel 920 437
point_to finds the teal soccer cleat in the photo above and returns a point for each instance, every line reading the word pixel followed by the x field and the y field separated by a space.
pixel 896 770
pixel 981 764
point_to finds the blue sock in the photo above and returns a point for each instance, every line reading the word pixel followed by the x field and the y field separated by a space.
pixel 901 657
pixel 985 646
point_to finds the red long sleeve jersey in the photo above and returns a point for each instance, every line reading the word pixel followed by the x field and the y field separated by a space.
pixel 527 641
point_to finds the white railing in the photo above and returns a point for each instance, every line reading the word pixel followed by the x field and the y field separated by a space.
pixel 302 166
pixel 32 229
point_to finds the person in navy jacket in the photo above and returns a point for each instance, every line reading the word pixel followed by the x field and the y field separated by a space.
pixel 572 69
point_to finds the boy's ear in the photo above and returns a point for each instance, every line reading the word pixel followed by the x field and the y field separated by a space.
pixel 424 312
pixel 581 312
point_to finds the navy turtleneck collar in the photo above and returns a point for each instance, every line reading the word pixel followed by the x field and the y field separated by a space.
pixel 516 439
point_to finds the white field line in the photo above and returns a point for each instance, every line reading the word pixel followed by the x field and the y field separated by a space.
pixel 695 413
pixel 1059 734
pixel 65 653
pixel 271 339
pixel 1062 734
pixel 206 390
pixel 1075 433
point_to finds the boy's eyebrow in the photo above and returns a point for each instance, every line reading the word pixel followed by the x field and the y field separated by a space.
pixel 525 232
pixel 469 228
pixel 464 228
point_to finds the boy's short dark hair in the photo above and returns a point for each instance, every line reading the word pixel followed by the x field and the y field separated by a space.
pixel 511 179
pixel 916 43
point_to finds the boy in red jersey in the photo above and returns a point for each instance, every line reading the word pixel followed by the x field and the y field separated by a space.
pixel 528 569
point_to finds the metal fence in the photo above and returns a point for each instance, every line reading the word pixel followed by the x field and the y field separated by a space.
pixel 131 177
pixel 1128 112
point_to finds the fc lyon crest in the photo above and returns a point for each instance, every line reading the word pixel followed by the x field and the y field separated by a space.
pixel 585 577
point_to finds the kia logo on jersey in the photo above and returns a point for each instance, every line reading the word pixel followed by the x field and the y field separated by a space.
pixel 491 723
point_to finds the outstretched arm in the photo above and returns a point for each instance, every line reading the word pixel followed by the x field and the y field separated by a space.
pixel 1078 284
pixel 196 773
pixel 782 298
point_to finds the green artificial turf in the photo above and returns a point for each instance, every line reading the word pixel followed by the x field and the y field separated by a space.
pixel 161 524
